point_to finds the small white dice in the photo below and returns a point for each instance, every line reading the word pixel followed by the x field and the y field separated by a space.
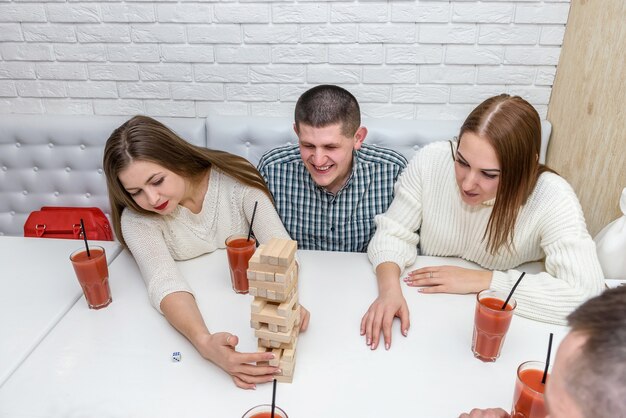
pixel 176 356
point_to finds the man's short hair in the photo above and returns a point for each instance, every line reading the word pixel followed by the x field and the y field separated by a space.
pixel 596 378
pixel 326 105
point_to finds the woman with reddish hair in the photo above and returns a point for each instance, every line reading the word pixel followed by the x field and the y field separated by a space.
pixel 487 199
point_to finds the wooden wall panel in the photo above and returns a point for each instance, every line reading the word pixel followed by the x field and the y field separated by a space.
pixel 588 107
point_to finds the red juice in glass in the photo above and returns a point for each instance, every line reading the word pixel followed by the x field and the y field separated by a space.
pixel 239 250
pixel 265 411
pixel 491 324
pixel 93 275
pixel 528 398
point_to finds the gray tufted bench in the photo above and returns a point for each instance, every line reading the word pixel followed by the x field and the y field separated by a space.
pixel 48 160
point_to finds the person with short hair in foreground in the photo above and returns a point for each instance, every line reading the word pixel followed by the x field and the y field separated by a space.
pixel 588 378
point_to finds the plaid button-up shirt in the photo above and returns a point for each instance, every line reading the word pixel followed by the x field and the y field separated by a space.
pixel 319 220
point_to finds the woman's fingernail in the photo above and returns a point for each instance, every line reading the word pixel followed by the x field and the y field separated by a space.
pixel 368 341
pixel 279 371
pixel 386 346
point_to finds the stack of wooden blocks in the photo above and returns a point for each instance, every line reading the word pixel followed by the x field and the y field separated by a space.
pixel 273 278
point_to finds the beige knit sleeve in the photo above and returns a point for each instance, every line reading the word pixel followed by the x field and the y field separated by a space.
pixel 396 235
pixel 573 273
pixel 267 223
pixel 159 271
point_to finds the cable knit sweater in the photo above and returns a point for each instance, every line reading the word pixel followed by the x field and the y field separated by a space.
pixel 156 241
pixel 427 209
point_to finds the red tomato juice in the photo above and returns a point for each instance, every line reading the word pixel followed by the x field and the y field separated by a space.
pixel 491 323
pixel 93 276
pixel 239 251
pixel 528 401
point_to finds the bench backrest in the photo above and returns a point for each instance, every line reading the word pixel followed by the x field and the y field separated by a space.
pixel 48 160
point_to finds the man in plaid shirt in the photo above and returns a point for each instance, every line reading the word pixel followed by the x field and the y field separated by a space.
pixel 329 187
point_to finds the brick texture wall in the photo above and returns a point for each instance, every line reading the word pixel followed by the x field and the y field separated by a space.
pixel 402 59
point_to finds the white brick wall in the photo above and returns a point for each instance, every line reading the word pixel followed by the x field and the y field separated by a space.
pixel 402 59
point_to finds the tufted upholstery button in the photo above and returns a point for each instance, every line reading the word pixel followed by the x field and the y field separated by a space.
pixel 35 169
pixel 25 192
pixel 50 145
pixel 87 195
pixel 247 144
pixel 12 213
pixel 4 168
pixel 68 169
pixel 416 147
pixel 82 146
pixel 17 144
pixel 56 193
pixel 99 171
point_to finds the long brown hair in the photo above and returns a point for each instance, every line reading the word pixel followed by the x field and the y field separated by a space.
pixel 145 139
pixel 512 127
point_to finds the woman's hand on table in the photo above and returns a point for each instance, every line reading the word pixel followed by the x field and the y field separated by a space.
pixel 486 413
pixel 380 315
pixel 449 279
pixel 219 348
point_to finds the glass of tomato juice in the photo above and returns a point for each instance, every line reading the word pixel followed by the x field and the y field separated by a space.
pixel 265 411
pixel 93 275
pixel 528 398
pixel 491 324
pixel 239 249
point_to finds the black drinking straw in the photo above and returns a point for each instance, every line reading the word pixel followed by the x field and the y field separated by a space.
pixel 82 226
pixel 513 290
pixel 273 398
pixel 252 220
pixel 545 371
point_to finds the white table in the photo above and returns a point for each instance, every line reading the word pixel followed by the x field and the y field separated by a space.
pixel 37 288
pixel 117 362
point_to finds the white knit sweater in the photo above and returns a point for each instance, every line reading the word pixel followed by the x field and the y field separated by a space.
pixel 427 209
pixel 156 241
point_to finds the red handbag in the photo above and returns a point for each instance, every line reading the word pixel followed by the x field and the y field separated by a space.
pixel 64 222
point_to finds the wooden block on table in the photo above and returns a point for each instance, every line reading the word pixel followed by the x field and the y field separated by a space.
pixel 287 254
pixel 255 324
pixel 258 304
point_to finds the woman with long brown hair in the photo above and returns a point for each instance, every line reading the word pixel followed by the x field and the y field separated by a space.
pixel 484 198
pixel 171 200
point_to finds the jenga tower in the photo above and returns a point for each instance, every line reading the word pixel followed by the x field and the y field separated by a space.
pixel 273 277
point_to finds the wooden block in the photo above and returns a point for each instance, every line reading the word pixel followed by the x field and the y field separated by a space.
pixel 273 344
pixel 287 366
pixel 256 257
pixel 281 337
pixel 252 291
pixel 255 324
pixel 258 304
pixel 274 328
pixel 288 355
pixel 288 252
pixel 275 362
pixel 288 275
pixel 267 268
pixel 269 314
pixel 286 307
pixel 284 379
pixel 280 292
pixel 271 253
